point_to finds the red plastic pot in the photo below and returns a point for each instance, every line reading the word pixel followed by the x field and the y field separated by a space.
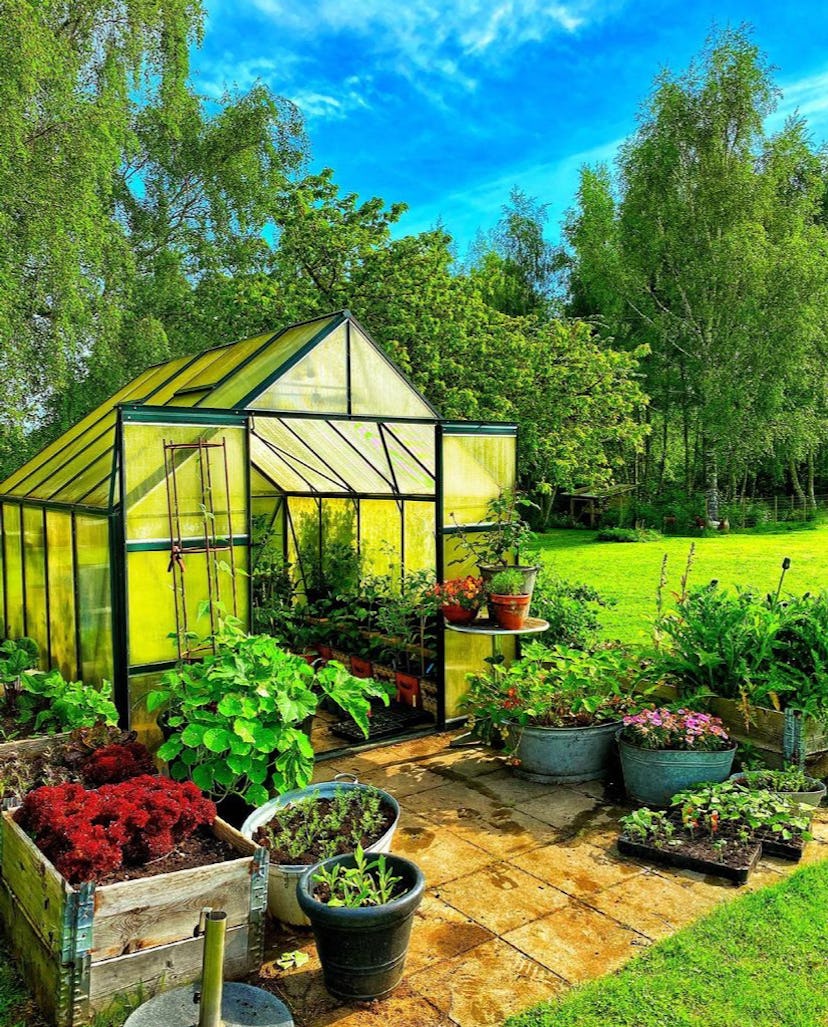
pixel 361 668
pixel 509 611
pixel 456 614
pixel 408 688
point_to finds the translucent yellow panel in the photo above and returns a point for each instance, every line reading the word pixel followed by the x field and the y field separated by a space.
pixel 61 572
pixel 420 524
pixel 418 439
pixel 352 453
pixel 273 356
pixel 287 441
pixel 319 381
pixel 475 469
pixel 94 478
pixel 380 535
pixel 411 475
pixel 198 490
pixel 221 361
pixel 467 654
pixel 457 563
pixel 301 513
pixel 260 485
pixel 13 564
pixel 276 467
pixel 377 388
pixel 140 685
pixel 34 561
pixel 135 390
pixel 72 460
pixel 95 613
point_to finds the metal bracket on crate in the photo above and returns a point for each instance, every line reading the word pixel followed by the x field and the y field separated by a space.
pixel 258 902
pixel 793 743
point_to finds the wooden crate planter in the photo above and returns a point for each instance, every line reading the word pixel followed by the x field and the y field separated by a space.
pixel 765 729
pixel 80 947
pixel 32 746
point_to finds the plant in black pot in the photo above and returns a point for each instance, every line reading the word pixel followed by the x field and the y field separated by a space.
pixel 506 534
pixel 362 911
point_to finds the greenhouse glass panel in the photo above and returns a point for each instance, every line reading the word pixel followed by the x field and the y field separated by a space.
pixel 275 467
pixel 418 440
pixel 140 720
pixel 475 469
pixel 217 363
pixel 51 476
pixel 247 380
pixel 380 536
pixel 95 478
pixel 34 569
pixel 353 452
pixel 303 514
pixel 197 494
pixel 420 525
pixel 317 382
pixel 377 387
pixel 286 439
pixel 13 565
pixel 151 607
pixel 61 572
pixel 410 474
pixel 465 654
pixel 95 597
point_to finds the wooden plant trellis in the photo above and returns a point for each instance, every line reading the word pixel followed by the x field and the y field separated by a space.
pixel 178 459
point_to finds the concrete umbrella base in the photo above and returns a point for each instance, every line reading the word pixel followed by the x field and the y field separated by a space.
pixel 241 1006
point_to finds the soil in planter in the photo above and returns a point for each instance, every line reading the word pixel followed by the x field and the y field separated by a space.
pixel 294 817
pixel 734 860
pixel 782 848
pixel 201 849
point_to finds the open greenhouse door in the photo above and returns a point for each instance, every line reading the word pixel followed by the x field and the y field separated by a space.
pixel 186 520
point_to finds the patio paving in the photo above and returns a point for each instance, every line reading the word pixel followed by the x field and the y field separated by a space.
pixel 527 894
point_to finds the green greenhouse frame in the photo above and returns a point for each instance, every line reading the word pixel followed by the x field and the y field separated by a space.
pixel 112 534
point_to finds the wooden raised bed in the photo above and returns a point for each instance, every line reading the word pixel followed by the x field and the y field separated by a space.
pixel 80 947
pixel 765 729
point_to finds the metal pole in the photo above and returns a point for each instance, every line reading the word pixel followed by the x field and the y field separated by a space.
pixel 212 971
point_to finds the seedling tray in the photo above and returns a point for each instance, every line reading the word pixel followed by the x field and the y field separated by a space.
pixel 782 849
pixel 384 723
pixel 678 859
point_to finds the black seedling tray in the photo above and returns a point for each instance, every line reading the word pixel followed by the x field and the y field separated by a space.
pixel 383 723
pixel 674 858
pixel 782 849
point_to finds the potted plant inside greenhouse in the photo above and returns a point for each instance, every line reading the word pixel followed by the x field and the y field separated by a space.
pixel 665 751
pixel 305 826
pixel 407 620
pixel 508 603
pixel 233 721
pixel 362 910
pixel 557 710
pixel 506 535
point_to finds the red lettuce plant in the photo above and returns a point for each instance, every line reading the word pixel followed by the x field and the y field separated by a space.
pixel 89 834
pixel 119 762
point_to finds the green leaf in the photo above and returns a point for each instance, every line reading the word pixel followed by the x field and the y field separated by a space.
pixel 193 735
pixel 203 777
pixel 256 795
pixel 170 749
pixel 216 739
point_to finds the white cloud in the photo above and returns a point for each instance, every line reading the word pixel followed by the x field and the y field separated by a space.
pixel 425 35
pixel 807 97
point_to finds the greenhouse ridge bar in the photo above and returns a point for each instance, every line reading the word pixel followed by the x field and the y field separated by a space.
pixel 112 535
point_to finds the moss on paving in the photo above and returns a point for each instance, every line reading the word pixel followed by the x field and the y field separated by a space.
pixel 759 961
pixel 628 574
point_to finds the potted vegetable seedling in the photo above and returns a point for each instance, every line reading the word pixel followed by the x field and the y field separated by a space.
pixel 790 782
pixel 507 600
pixel 307 825
pixel 362 911
pixel 664 752
pixel 557 709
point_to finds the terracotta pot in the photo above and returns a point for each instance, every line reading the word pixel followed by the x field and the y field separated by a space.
pixel 408 688
pixel 360 667
pixel 455 614
pixel 324 651
pixel 509 611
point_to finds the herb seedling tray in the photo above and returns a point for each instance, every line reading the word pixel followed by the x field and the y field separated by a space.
pixel 681 861
pixel 781 849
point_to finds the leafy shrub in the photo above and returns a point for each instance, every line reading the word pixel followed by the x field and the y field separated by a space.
pixel 235 719
pixel 552 687
pixel 89 834
pixel 789 779
pixel 745 646
pixel 627 535
pixel 46 704
pixel 571 609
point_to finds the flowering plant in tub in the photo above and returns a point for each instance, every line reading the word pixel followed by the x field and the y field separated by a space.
pixel 664 751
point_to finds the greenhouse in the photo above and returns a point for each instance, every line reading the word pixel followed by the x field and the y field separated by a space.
pixel 118 535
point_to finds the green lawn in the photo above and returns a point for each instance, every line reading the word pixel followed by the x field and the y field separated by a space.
pixel 760 961
pixel 628 572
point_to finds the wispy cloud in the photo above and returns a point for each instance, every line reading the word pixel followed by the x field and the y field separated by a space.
pixel 807 97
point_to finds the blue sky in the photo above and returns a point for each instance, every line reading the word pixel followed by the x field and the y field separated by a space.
pixel 447 106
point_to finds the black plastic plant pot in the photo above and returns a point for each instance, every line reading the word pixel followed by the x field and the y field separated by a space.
pixel 363 951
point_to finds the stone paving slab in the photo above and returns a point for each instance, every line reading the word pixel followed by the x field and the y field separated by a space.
pixel 527 893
